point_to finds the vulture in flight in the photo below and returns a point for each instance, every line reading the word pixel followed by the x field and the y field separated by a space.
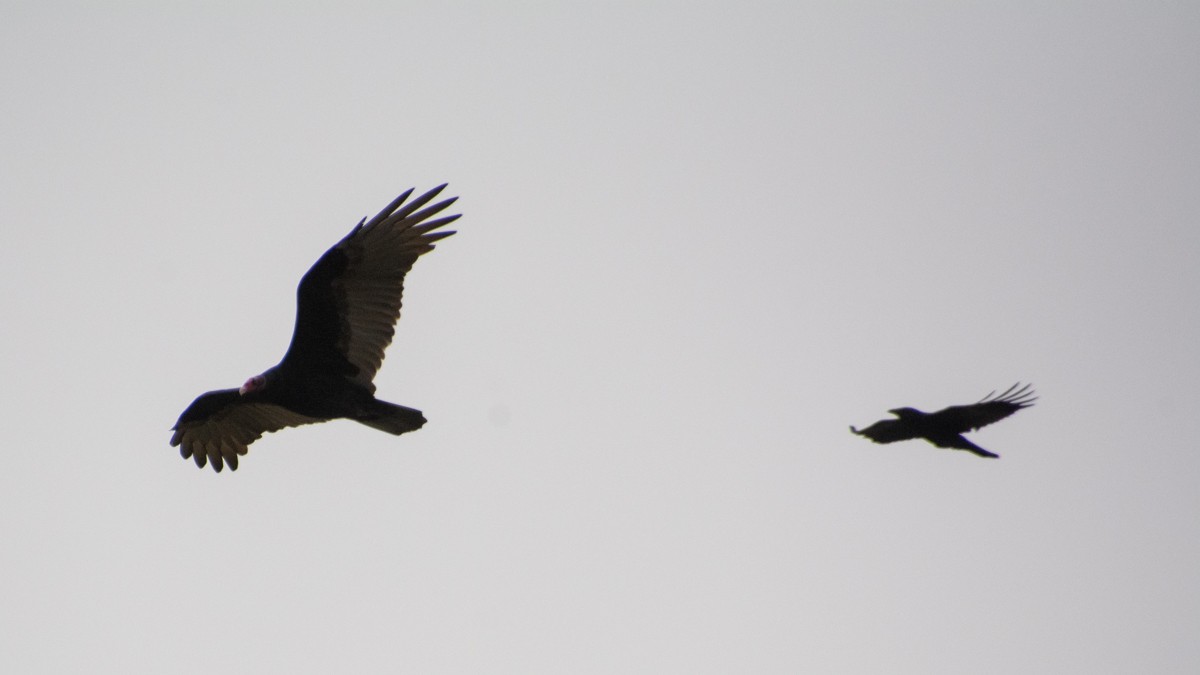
pixel 945 428
pixel 347 305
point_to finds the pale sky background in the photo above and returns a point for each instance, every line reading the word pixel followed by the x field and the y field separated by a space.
pixel 698 242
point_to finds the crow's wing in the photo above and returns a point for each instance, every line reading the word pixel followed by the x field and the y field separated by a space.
pixel 959 443
pixel 960 419
pixel 889 431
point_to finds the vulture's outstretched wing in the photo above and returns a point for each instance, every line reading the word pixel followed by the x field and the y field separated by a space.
pixel 219 425
pixel 347 304
pixel 963 418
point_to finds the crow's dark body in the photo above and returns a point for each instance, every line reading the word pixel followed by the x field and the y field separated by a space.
pixel 946 427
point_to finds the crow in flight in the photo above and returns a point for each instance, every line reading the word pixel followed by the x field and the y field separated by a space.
pixel 946 427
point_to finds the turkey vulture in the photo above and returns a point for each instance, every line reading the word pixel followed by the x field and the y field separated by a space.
pixel 347 305
pixel 945 427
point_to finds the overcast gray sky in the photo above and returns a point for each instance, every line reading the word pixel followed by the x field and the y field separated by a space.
pixel 698 242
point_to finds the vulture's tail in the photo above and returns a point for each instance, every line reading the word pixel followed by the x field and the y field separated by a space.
pixel 392 418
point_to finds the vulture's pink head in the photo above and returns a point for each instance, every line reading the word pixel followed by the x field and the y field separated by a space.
pixel 253 384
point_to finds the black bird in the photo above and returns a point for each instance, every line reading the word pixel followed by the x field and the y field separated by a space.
pixel 347 305
pixel 945 427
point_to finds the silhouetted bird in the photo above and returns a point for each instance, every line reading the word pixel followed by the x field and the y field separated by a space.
pixel 347 305
pixel 945 427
